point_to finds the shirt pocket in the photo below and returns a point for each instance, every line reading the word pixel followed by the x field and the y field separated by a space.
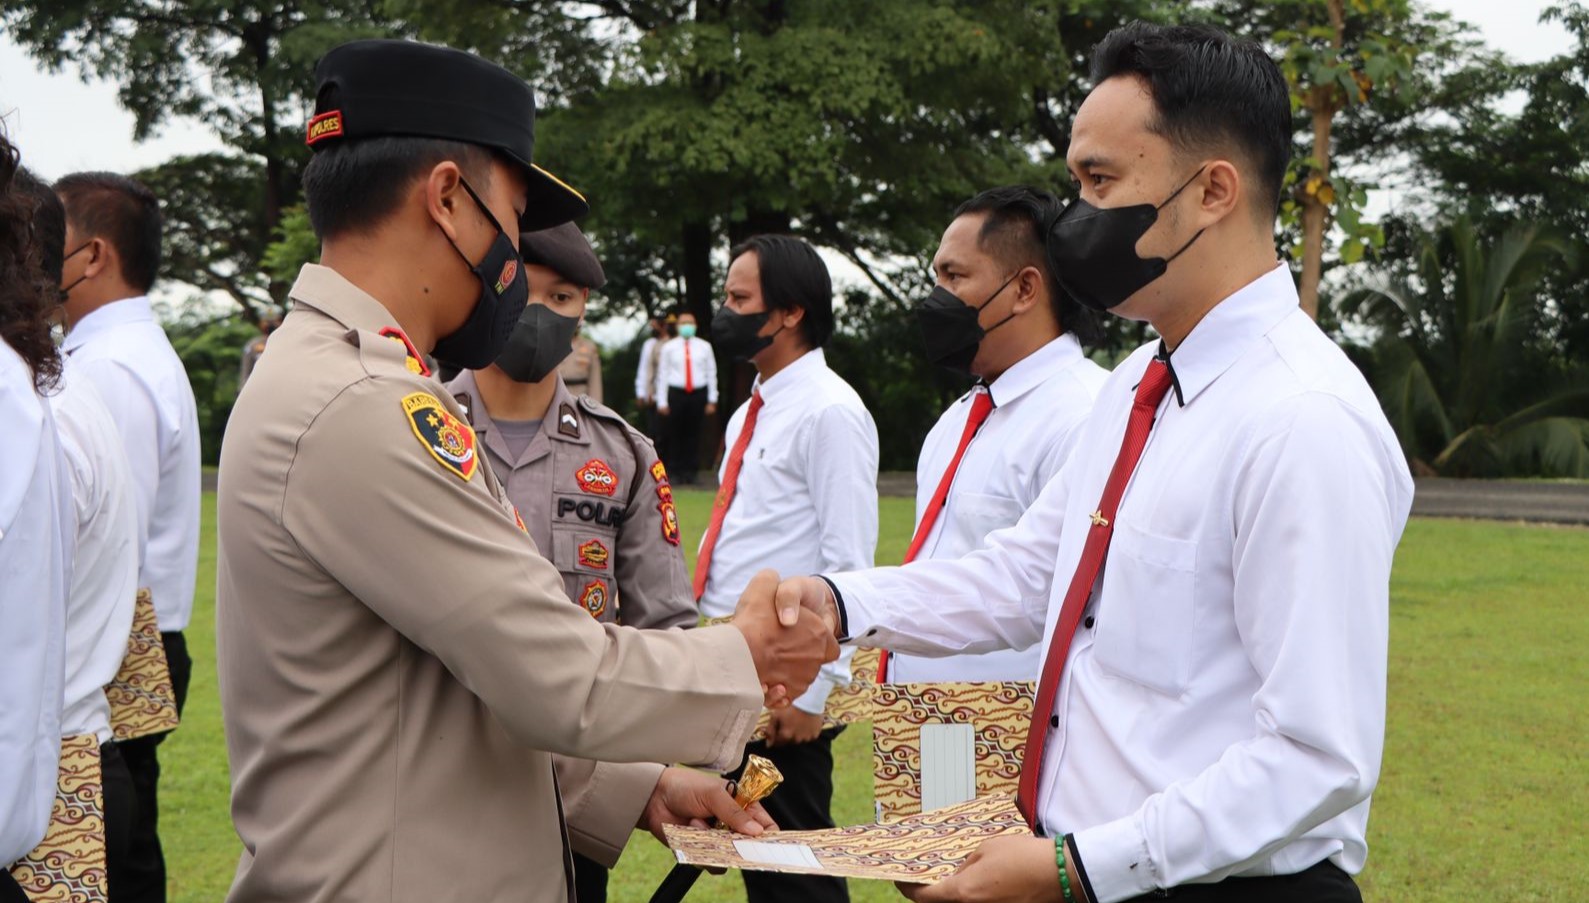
pixel 1148 610
pixel 979 514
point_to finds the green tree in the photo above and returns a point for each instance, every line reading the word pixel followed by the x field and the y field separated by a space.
pixel 1467 390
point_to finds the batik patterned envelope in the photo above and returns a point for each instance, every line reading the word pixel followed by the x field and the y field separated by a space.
pixel 142 701
pixel 999 715
pixel 921 849
pixel 68 865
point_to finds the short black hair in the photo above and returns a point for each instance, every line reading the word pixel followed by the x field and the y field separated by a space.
pixel 793 276
pixel 49 223
pixel 350 186
pixel 1014 231
pixel 1210 90
pixel 123 212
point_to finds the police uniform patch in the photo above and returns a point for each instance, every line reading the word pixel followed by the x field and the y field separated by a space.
pixel 659 473
pixel 597 478
pixel 326 125
pixel 670 522
pixel 594 597
pixel 415 362
pixel 594 555
pixel 449 440
pixel 665 492
pixel 567 424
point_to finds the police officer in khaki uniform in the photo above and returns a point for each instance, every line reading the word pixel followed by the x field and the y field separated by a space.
pixel 588 485
pixel 581 370
pixel 397 662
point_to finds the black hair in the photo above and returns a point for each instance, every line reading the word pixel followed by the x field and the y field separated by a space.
pixel 1210 90
pixel 350 186
pixel 49 223
pixel 1015 233
pixel 27 297
pixel 793 276
pixel 121 211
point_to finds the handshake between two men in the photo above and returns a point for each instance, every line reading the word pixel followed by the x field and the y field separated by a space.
pixel 792 629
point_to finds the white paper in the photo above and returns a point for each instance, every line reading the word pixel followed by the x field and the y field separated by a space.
pixel 777 853
pixel 948 765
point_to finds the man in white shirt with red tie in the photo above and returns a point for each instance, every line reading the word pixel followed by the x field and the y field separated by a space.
pixel 997 314
pixel 1211 711
pixel 798 494
pixel 686 395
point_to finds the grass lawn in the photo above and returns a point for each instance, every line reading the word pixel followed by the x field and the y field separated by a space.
pixel 1482 794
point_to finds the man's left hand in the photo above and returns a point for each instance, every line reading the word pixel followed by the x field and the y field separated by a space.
pixel 790 726
pixel 1002 870
pixel 685 796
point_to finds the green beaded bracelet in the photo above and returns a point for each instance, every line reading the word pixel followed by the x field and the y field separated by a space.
pixel 1064 874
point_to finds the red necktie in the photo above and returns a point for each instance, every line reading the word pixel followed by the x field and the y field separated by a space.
pixel 981 407
pixel 725 494
pixel 689 372
pixel 1155 382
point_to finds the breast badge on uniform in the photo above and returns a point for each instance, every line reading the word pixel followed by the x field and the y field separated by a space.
pixel 449 440
pixel 415 362
pixel 597 478
pixel 594 555
pixel 670 521
pixel 594 597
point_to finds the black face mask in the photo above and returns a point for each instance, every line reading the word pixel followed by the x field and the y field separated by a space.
pixel 737 334
pixel 1094 250
pixel 949 327
pixel 504 290
pixel 538 344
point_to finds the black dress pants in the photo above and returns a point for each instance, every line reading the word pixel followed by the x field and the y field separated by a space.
pixel 802 802
pixel 144 872
pixel 590 880
pixel 10 892
pixel 1322 883
pixel 121 812
pixel 686 414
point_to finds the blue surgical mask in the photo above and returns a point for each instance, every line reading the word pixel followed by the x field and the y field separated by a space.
pixel 687 330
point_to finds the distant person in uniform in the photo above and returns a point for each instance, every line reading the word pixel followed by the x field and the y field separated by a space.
pixel 686 394
pixel 106 551
pixel 113 232
pixel 587 484
pixel 581 370
pixel 35 537
pixel 997 314
pixel 253 348
pixel 398 664
pixel 645 373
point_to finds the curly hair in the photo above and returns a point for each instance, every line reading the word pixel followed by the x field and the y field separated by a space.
pixel 27 297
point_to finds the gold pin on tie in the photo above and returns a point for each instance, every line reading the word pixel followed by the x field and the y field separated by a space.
pixel 1098 520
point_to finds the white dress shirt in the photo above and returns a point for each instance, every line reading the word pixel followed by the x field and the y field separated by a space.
pixel 1223 707
pixel 104 584
pixel 806 499
pixel 670 367
pixel 644 377
pixel 1040 405
pixel 126 355
pixel 35 560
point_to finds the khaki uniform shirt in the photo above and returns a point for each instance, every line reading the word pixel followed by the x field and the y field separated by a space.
pixel 581 370
pixel 397 662
pixel 598 503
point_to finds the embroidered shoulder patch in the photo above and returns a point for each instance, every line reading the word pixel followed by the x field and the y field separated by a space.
pixel 449 440
pixel 594 555
pixel 415 362
pixel 597 478
pixel 659 473
pixel 670 522
pixel 594 597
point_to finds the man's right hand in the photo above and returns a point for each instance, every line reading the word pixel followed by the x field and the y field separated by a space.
pixel 810 594
pixel 788 645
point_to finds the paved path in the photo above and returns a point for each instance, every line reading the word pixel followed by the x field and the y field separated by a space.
pixel 1532 500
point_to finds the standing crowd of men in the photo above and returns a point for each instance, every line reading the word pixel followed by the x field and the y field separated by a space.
pixel 449 613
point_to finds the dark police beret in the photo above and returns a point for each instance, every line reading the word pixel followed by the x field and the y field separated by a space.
pixel 370 88
pixel 565 249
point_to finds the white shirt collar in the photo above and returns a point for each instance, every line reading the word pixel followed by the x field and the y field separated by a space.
pixel 786 379
pixel 106 318
pixel 1225 332
pixel 1031 371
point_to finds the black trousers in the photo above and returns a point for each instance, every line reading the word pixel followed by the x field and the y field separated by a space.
pixel 121 812
pixel 802 802
pixel 10 892
pixel 143 875
pixel 1322 883
pixel 686 414
pixel 590 880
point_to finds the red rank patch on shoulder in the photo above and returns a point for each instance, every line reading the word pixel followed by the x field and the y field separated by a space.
pixel 670 522
pixel 416 361
pixel 597 478
pixel 594 555
pixel 593 598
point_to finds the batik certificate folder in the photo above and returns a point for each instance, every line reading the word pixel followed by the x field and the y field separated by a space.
pixel 940 744
pixel 921 849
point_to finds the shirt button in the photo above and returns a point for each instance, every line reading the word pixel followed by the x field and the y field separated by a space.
pixel 1087 623
pixel 1053 721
